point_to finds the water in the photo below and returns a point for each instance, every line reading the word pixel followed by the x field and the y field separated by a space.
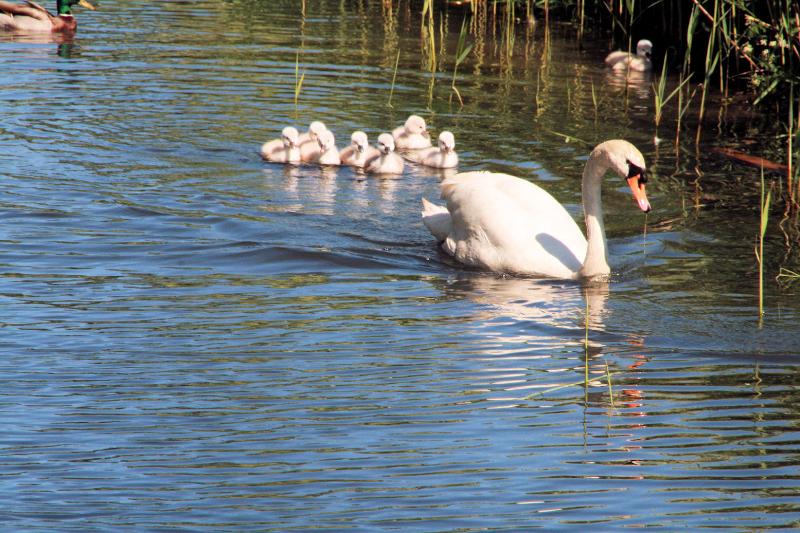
pixel 193 339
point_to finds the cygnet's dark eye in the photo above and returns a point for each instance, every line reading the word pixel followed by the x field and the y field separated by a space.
pixel 634 170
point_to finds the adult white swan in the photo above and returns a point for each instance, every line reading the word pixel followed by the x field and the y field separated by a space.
pixel 506 224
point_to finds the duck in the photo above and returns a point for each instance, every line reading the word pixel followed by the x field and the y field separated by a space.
pixel 441 156
pixel 388 162
pixel 359 153
pixel 283 150
pixel 327 154
pixel 34 18
pixel 621 61
pixel 505 224
pixel 309 148
pixel 413 135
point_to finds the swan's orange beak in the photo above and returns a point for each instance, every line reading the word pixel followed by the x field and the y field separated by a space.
pixel 637 188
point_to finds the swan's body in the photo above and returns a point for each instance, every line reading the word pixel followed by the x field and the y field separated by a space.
pixel 640 62
pixel 283 150
pixel 328 154
pixel 506 224
pixel 388 162
pixel 413 135
pixel 309 147
pixel 34 18
pixel 441 156
pixel 359 154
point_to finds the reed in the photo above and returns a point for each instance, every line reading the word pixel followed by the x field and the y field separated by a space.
pixel 610 386
pixel 462 51
pixel 712 57
pixel 786 274
pixel 586 343
pixel 659 88
pixel 394 78
pixel 509 31
pixel 298 79
pixel 790 152
pixel 759 251
pixel 429 34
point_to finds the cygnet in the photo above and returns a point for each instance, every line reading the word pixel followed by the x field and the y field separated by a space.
pixel 443 156
pixel 413 135
pixel 309 148
pixel 621 61
pixel 328 154
pixel 359 153
pixel 283 150
pixel 388 162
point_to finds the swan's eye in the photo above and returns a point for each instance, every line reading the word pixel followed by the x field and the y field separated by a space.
pixel 634 170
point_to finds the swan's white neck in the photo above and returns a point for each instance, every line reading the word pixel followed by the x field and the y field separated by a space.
pixel 595 264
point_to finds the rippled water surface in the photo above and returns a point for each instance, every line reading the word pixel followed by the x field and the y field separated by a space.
pixel 194 339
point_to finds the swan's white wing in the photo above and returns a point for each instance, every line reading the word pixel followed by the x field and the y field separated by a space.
pixel 615 57
pixel 437 219
pixel 507 224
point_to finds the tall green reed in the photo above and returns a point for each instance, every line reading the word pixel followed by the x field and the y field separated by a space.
pixel 462 51
pixel 298 80
pixel 429 34
pixel 659 90
pixel 759 251
pixel 394 78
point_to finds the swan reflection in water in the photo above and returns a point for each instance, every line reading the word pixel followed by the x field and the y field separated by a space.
pixel 543 302
pixel 638 83
pixel 535 320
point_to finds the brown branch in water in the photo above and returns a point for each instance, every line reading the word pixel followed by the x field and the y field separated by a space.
pixel 752 160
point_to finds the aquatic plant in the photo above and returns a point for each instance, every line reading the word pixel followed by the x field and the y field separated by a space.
pixel 610 386
pixel 429 35
pixel 786 274
pixel 462 52
pixel 759 251
pixel 394 78
pixel 298 79
pixel 659 88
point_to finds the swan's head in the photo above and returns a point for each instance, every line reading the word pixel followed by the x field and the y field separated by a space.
pixel 325 140
pixel 447 142
pixel 623 158
pixel 385 143
pixel 315 128
pixel 290 136
pixel 359 141
pixel 644 48
pixel 416 124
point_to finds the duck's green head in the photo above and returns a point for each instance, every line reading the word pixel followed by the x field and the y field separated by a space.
pixel 64 6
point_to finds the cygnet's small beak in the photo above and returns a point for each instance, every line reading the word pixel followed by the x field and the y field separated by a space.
pixel 426 134
pixel 639 194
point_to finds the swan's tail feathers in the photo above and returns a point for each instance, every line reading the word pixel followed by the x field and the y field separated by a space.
pixel 437 219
